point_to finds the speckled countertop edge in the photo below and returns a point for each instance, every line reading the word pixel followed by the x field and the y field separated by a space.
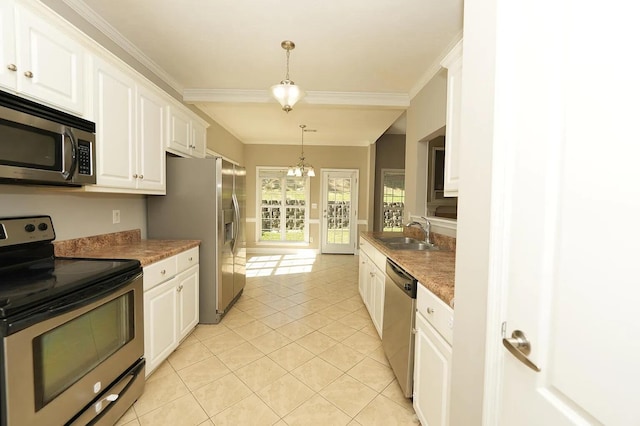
pixel 122 245
pixel 433 269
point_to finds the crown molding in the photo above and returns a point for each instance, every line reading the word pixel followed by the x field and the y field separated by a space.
pixel 114 35
pixel 434 68
pixel 372 99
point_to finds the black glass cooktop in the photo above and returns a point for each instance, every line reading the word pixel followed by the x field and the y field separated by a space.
pixel 46 280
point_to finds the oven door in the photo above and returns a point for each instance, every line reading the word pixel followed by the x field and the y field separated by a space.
pixel 62 363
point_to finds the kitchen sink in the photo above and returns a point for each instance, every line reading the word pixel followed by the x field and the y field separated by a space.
pixel 406 243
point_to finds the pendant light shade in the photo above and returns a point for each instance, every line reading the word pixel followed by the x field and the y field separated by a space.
pixel 287 93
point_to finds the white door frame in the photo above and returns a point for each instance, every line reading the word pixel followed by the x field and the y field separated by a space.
pixel 353 220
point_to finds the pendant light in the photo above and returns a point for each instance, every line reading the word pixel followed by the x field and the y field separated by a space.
pixel 302 168
pixel 287 93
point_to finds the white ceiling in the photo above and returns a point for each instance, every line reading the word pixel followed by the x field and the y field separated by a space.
pixel 359 61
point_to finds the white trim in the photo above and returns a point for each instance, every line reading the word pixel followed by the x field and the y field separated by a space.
pixel 363 222
pixel 434 68
pixel 443 223
pixel 114 35
pixel 209 153
pixel 250 220
pixel 280 250
pixel 389 100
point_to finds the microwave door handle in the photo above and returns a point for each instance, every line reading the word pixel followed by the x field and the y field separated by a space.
pixel 68 134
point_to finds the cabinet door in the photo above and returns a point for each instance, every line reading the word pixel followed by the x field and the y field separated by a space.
pixel 160 323
pixel 431 375
pixel 377 299
pixel 50 63
pixel 8 60
pixel 151 140
pixel 363 276
pixel 179 131
pixel 188 300
pixel 115 129
pixel 199 140
pixel 453 63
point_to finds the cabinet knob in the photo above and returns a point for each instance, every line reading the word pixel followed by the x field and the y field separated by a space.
pixel 141 177
pixel 190 259
pixel 430 310
pixel 12 67
pixel 163 272
pixel 179 288
pixel 135 176
pixel 28 74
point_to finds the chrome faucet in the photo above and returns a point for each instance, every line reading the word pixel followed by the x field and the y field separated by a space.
pixel 426 229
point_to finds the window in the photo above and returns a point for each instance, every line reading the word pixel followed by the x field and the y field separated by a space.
pixel 392 199
pixel 283 206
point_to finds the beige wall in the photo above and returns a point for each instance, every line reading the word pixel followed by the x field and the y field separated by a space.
pixel 320 157
pixel 75 214
pixel 426 118
pixel 390 151
pixel 224 143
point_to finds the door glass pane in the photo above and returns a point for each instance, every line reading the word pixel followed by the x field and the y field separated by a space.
pixel 271 203
pixel 338 210
pixel 392 201
pixel 295 211
pixel 66 353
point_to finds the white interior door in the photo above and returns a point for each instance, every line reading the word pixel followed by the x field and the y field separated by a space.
pixel 569 251
pixel 339 211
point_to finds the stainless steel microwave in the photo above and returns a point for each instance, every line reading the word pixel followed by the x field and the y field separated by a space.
pixel 42 145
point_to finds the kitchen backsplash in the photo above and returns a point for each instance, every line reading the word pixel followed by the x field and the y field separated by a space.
pixel 448 243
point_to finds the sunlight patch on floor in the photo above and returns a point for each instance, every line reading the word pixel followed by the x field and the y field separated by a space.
pixel 285 264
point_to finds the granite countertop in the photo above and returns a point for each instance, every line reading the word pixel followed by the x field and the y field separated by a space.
pixel 433 269
pixel 123 245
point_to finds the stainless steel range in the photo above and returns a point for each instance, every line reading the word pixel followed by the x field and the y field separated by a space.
pixel 71 348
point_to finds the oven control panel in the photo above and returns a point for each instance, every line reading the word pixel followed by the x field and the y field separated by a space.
pixel 23 230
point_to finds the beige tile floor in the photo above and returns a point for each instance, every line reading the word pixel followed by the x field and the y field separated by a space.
pixel 298 348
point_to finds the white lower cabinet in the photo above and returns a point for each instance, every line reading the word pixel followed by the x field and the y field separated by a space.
pixel 371 282
pixel 171 305
pixel 432 364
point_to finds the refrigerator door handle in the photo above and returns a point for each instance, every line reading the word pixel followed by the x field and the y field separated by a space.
pixel 236 220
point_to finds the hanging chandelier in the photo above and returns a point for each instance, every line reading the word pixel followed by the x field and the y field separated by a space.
pixel 302 168
pixel 287 93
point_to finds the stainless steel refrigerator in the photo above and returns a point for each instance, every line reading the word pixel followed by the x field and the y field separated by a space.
pixel 206 201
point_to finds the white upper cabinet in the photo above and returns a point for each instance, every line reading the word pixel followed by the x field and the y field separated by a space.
pixel 187 134
pixel 453 63
pixel 114 110
pixel 151 139
pixel 40 60
pixel 130 129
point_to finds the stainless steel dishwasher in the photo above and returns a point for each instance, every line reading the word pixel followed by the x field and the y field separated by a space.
pixel 399 317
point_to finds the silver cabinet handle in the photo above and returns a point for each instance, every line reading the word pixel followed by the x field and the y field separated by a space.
pixel 12 67
pixel 28 74
pixel 520 347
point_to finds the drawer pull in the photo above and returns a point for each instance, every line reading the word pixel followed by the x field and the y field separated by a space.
pixel 163 272
pixel 12 67
pixel 28 74
pixel 190 259
pixel 430 310
pixel 179 288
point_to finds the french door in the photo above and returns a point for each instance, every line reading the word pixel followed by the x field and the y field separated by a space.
pixel 339 211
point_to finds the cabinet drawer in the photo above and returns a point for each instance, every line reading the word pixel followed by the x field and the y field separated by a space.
pixel 366 247
pixel 437 313
pixel 380 260
pixel 160 271
pixel 187 259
